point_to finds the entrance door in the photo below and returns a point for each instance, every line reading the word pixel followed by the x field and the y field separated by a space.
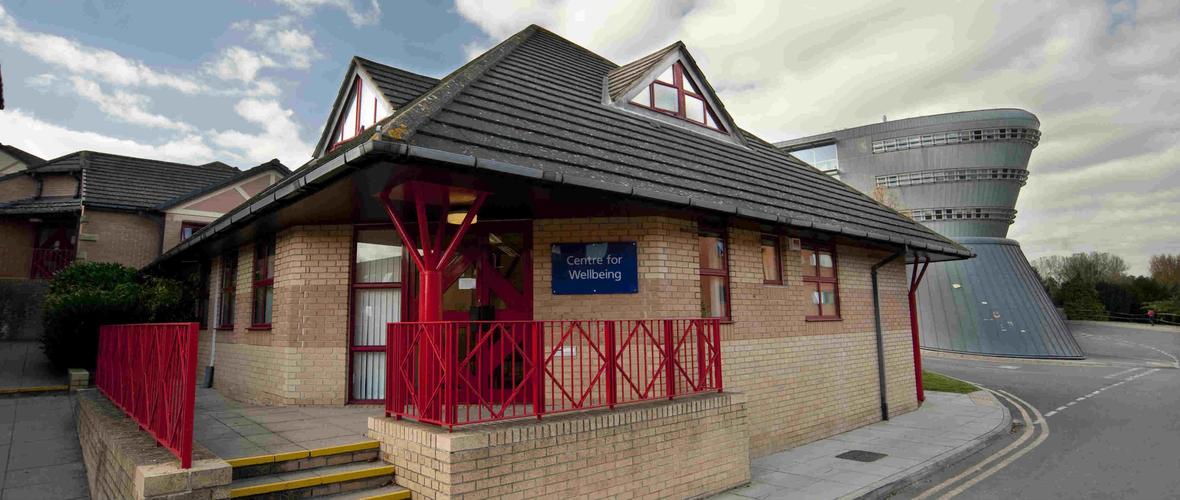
pixel 53 250
pixel 490 279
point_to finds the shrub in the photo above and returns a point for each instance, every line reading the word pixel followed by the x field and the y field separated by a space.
pixel 1081 301
pixel 86 295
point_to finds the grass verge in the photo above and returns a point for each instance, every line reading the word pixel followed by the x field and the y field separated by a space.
pixel 941 383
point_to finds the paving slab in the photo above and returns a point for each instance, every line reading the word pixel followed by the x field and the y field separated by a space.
pixel 234 430
pixel 40 457
pixel 946 428
pixel 23 364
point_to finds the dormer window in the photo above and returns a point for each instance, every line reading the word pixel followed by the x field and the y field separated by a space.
pixel 360 110
pixel 674 93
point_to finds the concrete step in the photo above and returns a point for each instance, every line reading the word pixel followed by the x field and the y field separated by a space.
pixel 319 481
pixel 391 492
pixel 278 463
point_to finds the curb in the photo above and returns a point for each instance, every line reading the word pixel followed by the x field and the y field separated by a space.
pixel 39 390
pixel 949 458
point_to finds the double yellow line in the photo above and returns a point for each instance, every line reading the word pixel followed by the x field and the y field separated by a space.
pixel 985 468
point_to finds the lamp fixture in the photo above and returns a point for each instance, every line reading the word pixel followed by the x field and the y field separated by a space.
pixel 456 217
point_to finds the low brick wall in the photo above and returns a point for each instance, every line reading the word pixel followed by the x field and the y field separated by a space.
pixel 686 448
pixel 123 462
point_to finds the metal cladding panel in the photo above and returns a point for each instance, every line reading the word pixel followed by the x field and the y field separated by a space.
pixel 999 307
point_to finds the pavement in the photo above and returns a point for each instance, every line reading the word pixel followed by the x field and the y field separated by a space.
pixel 946 428
pixel 1108 427
pixel 234 430
pixel 40 456
pixel 23 365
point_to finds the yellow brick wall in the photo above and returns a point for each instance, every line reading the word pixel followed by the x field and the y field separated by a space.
pixel 806 379
pixel 687 448
pixel 301 359
pixel 58 186
pixel 16 248
pixel 126 238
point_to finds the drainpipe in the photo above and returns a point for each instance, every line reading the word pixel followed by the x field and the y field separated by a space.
pixel 880 334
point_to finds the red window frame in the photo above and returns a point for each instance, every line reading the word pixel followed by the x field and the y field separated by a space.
pixel 812 284
pixel 776 243
pixel 195 226
pixel 722 272
pixel 678 83
pixel 228 285
pixel 263 279
pixel 353 287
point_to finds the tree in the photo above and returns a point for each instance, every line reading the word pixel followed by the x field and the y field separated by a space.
pixel 1165 268
pixel 1090 267
pixel 1080 300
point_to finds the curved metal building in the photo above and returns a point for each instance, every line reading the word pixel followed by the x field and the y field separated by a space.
pixel 960 174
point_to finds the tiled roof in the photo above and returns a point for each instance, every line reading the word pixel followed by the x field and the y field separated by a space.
pixel 398 85
pixel 123 182
pixel 273 164
pixel 533 106
pixel 25 157
pixel 41 206
pixel 623 78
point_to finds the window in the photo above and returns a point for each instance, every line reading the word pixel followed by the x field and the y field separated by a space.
pixel 819 279
pixel 821 157
pixel 714 276
pixel 228 283
pixel 359 111
pixel 674 93
pixel 772 262
pixel 188 228
pixel 264 279
pixel 377 299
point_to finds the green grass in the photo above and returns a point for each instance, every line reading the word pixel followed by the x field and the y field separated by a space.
pixel 934 382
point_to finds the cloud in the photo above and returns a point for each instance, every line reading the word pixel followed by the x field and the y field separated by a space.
pixel 283 39
pixel 126 107
pixel 99 63
pixel 358 18
pixel 280 133
pixel 48 140
pixel 1103 79
pixel 237 63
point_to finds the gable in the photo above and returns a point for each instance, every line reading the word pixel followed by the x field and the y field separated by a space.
pixel 227 198
pixel 668 86
pixel 369 92
pixel 360 109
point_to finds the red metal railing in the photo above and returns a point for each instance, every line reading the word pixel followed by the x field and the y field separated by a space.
pixel 48 261
pixel 456 373
pixel 150 372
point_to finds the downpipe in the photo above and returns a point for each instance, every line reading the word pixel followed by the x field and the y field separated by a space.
pixel 880 333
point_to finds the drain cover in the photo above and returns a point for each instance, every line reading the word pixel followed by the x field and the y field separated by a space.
pixel 861 456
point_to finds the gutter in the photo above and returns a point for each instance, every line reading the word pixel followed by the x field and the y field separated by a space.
pixel 880 334
pixel 292 187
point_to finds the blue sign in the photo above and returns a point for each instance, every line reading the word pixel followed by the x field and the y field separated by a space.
pixel 595 268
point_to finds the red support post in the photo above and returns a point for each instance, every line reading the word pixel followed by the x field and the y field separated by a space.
pixel 612 390
pixel 915 280
pixel 669 359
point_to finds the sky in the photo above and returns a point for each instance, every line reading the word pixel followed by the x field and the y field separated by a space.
pixel 246 81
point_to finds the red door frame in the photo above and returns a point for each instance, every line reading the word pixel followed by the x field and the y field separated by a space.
pixel 410 278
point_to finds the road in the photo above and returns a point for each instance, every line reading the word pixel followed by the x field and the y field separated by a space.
pixel 1110 425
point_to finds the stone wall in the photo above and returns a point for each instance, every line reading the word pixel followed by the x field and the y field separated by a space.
pixel 126 238
pixel 123 462
pixel 686 448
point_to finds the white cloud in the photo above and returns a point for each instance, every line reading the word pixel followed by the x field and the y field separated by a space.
pixel 280 135
pixel 80 59
pixel 1101 78
pixel 358 18
pixel 48 140
pixel 126 107
pixel 282 38
pixel 43 82
pixel 237 63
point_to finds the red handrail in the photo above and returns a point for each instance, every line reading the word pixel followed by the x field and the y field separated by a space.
pixel 48 261
pixel 150 372
pixel 452 373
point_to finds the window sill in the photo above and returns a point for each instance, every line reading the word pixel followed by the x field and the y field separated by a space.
pixel 224 328
pixel 774 283
pixel 823 318
pixel 259 328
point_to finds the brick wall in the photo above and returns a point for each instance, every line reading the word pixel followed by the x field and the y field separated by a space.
pixel 805 380
pixel 16 248
pixel 687 448
pixel 124 462
pixel 59 185
pixel 126 238
pixel 17 187
pixel 301 359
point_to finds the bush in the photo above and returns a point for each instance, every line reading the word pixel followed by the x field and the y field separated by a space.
pixel 86 295
pixel 1081 301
